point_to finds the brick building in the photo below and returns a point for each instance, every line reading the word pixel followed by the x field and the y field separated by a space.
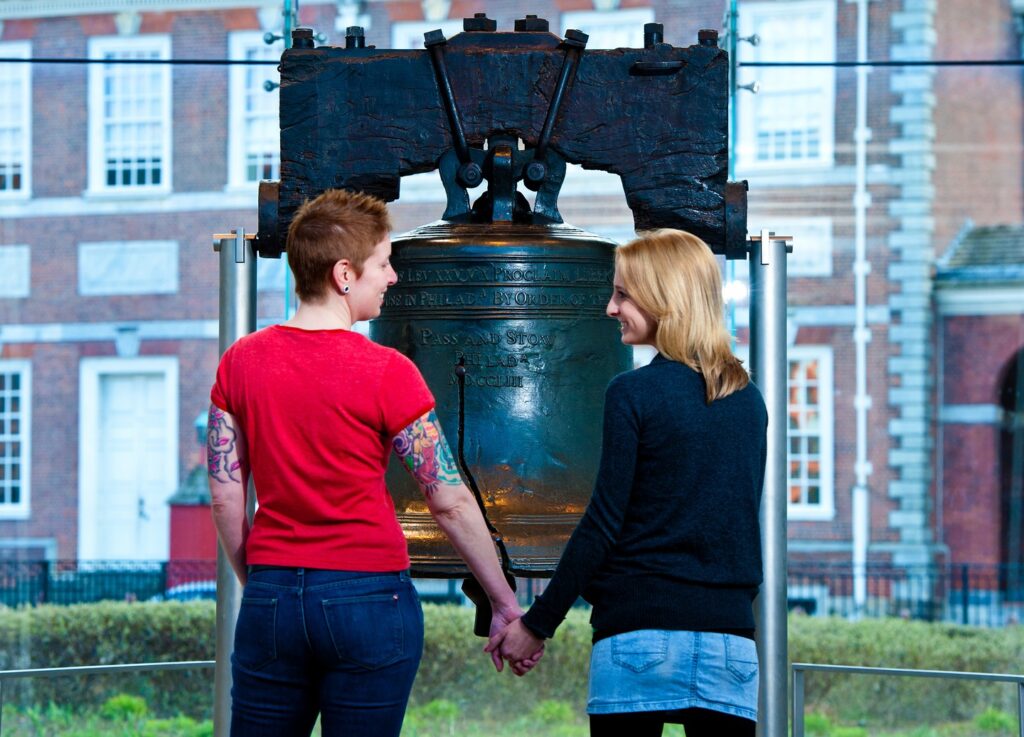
pixel 113 178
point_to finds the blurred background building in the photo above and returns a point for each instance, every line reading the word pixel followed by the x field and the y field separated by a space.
pixel 901 182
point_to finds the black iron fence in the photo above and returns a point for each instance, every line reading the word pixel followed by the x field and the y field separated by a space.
pixel 984 595
pixel 75 582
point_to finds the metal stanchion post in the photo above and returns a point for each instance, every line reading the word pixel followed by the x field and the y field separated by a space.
pixel 237 318
pixel 768 362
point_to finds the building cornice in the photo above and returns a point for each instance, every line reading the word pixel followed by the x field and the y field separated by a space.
pixel 13 9
pixel 977 299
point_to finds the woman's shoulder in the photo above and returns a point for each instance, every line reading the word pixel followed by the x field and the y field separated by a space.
pixel 660 370
pixel 257 340
pixel 393 362
pixel 651 380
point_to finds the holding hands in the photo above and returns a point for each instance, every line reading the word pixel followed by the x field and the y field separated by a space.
pixel 514 642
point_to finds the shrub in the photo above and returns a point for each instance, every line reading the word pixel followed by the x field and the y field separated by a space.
pixel 996 721
pixel 817 724
pixel 848 732
pixel 124 708
pixel 550 712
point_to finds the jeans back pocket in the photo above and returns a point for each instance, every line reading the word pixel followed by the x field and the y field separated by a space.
pixel 366 630
pixel 256 633
pixel 641 650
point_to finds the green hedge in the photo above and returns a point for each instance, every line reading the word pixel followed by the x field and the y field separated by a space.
pixel 455 669
pixel 111 633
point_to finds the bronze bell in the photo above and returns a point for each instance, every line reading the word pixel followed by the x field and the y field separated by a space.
pixel 506 322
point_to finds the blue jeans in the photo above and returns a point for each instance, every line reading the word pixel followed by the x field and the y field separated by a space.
pixel 342 644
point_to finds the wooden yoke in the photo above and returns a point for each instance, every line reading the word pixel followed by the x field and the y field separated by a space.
pixel 361 118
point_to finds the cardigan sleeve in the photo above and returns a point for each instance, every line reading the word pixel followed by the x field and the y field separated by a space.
pixel 601 524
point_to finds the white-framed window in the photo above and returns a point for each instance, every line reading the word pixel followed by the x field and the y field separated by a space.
pixel 15 121
pixel 790 122
pixel 810 448
pixel 15 438
pixel 15 271
pixel 409 34
pixel 254 138
pixel 809 433
pixel 610 29
pixel 130 116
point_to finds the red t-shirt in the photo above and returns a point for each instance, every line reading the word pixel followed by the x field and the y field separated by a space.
pixel 319 409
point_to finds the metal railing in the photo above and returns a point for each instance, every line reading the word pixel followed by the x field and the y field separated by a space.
pixel 798 670
pixel 92 670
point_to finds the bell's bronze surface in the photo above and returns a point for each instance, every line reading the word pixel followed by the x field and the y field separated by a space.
pixel 506 321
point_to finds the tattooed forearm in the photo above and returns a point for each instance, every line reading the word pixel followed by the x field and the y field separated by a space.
pixel 425 452
pixel 222 463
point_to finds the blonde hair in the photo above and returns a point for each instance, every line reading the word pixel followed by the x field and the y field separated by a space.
pixel 336 225
pixel 674 277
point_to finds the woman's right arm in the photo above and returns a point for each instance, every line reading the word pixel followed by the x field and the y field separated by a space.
pixel 227 466
pixel 425 452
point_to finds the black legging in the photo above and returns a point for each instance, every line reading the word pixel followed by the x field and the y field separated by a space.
pixel 696 722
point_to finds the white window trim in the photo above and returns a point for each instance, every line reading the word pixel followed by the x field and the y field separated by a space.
pixel 97 185
pixel 22 50
pixel 238 41
pixel 23 509
pixel 21 263
pixel 749 18
pixel 90 372
pixel 826 409
pixel 592 22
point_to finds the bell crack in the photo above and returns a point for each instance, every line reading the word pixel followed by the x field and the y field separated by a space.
pixel 499 540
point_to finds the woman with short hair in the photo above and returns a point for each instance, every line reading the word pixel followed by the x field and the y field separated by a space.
pixel 330 623
pixel 668 551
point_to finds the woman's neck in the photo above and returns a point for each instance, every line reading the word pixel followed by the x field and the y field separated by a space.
pixel 321 316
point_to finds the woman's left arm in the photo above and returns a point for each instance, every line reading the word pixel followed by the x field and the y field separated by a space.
pixel 425 452
pixel 227 466
pixel 601 525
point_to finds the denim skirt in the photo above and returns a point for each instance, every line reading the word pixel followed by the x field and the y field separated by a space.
pixel 665 670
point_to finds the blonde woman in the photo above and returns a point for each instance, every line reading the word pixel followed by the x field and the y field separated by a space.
pixel 669 550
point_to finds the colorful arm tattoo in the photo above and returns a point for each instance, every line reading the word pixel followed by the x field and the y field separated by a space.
pixel 426 454
pixel 222 461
